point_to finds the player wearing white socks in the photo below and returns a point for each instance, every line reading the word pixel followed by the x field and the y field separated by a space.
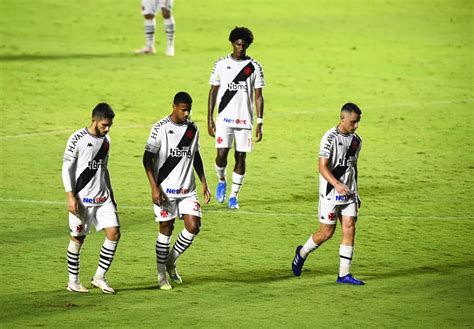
pixel 170 158
pixel 235 79
pixel 149 10
pixel 338 193
pixel 90 196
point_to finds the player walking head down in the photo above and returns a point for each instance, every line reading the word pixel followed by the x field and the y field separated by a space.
pixel 102 119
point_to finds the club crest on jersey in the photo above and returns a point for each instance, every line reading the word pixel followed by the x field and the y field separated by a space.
pixel 79 228
pixel 237 86
pixel 180 153
pixel 247 71
pixel 189 134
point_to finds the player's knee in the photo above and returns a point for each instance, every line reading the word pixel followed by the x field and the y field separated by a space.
pixel 165 13
pixel 149 16
pixel 327 233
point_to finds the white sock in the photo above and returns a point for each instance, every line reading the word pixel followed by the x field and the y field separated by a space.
pixel 345 257
pixel 162 252
pixel 106 257
pixel 237 181
pixel 308 247
pixel 150 27
pixel 73 255
pixel 221 173
pixel 184 240
pixel 169 30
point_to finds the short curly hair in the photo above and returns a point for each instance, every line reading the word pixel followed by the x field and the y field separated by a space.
pixel 241 33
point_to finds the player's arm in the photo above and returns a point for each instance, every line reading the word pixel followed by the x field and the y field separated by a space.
pixel 327 174
pixel 68 170
pixel 211 103
pixel 259 108
pixel 199 167
pixel 109 185
pixel 157 196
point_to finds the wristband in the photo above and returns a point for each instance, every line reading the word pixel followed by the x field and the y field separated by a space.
pixel 259 120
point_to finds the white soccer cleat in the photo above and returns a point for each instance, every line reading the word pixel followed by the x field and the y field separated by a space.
pixel 103 285
pixel 170 51
pixel 146 51
pixel 76 286
pixel 163 283
pixel 174 274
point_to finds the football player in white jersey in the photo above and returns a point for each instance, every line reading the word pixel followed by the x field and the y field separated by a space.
pixel 236 80
pixel 149 9
pixel 90 196
pixel 170 158
pixel 338 193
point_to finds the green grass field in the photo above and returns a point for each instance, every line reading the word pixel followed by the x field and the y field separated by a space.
pixel 408 65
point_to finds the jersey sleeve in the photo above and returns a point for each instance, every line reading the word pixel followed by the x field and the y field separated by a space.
pixel 69 165
pixel 326 146
pixel 215 78
pixel 153 143
pixel 259 80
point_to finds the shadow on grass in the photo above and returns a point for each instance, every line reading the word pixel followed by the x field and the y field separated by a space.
pixel 54 57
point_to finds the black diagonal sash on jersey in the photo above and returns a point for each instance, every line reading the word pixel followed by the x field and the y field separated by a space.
pixel 241 76
pixel 86 176
pixel 339 171
pixel 171 162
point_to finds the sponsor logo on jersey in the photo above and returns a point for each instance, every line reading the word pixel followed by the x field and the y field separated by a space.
pixel 177 191
pixel 340 197
pixel 98 200
pixel 180 153
pixel 236 121
pixel 94 164
pixel 237 86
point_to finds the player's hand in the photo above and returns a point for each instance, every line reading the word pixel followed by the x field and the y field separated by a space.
pixel 211 128
pixel 259 132
pixel 342 189
pixel 207 194
pixel 72 206
pixel 158 197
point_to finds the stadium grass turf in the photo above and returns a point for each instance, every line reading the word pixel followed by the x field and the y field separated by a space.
pixel 407 64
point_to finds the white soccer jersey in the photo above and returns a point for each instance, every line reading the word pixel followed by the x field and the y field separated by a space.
pixel 237 81
pixel 174 145
pixel 342 152
pixel 84 167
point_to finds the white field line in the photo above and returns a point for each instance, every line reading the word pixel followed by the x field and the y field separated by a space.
pixel 252 213
pixel 384 106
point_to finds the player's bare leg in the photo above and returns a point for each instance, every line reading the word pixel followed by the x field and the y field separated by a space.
pixel 169 23
pixel 73 260
pixel 192 226
pixel 150 27
pixel 107 253
pixel 162 252
pixel 346 251
pixel 237 179
pixel 221 166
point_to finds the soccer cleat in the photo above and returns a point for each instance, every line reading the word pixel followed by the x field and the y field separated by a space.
pixel 76 286
pixel 170 51
pixel 145 50
pixel 164 284
pixel 103 285
pixel 298 262
pixel 174 275
pixel 350 280
pixel 233 203
pixel 220 192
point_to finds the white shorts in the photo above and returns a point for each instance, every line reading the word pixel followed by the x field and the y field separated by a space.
pixel 226 135
pixel 328 213
pixel 101 216
pixel 152 6
pixel 177 207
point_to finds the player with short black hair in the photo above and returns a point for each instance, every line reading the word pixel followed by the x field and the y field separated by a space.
pixel 236 80
pixel 338 193
pixel 90 196
pixel 171 154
